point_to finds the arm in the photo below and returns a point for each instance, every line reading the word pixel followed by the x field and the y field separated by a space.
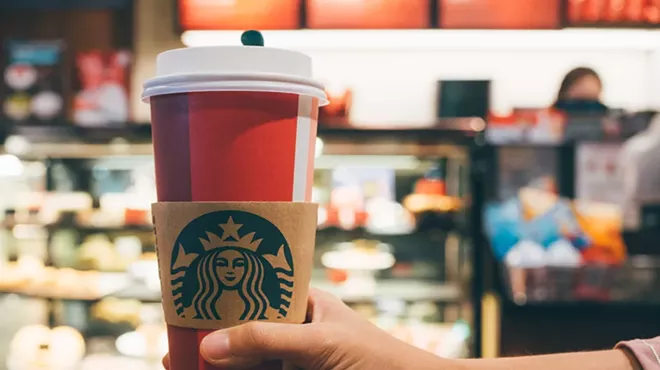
pixel 337 338
pixel 604 360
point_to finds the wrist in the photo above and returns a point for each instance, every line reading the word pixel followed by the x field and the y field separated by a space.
pixel 463 364
pixel 440 363
pixel 422 360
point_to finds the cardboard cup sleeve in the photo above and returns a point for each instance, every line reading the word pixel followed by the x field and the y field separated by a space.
pixel 224 264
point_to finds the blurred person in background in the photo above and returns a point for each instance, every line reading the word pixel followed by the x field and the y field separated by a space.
pixel 338 338
pixel 580 92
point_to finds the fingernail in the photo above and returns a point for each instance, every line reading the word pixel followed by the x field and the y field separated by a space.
pixel 215 346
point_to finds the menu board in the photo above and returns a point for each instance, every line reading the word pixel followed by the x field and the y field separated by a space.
pixel 239 14
pixel 368 14
pixel 499 14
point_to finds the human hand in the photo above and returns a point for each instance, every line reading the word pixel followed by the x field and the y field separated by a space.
pixel 336 338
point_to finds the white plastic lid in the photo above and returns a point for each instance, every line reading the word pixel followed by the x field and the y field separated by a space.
pixel 233 68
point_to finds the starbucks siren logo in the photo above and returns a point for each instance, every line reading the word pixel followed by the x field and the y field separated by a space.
pixel 225 257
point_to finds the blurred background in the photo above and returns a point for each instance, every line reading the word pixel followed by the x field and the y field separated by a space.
pixel 486 170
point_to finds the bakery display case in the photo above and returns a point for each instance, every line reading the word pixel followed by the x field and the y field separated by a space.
pixel 392 242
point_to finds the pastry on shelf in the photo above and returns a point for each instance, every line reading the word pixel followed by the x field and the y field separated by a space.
pixel 360 254
pixel 100 219
pixel 78 284
pixel 346 208
pixel 430 194
pixel 67 284
pixel 418 203
pixel 11 279
pixel 147 341
pixel 41 348
pixel 386 217
pixel 98 253
pixel 42 283
pixel 116 311
pixel 359 259
pixel 19 275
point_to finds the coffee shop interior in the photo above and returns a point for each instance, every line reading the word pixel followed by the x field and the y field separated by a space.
pixel 484 170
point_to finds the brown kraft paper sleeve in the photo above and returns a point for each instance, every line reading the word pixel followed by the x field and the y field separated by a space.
pixel 223 264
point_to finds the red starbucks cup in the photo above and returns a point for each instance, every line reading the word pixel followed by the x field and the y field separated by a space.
pixel 231 124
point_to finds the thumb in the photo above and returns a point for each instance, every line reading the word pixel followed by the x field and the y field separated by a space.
pixel 296 343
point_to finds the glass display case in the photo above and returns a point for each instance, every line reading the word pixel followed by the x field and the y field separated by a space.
pixel 392 242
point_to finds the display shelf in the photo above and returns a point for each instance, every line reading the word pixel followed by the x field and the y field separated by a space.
pixel 587 285
pixel 322 231
pixel 53 296
pixel 617 126
pixel 447 137
pixel 584 304
pixel 108 283
pixel 424 281
pixel 89 229
pixel 67 132
pixel 39 151
pixel 134 139
pixel 441 129
pixel 426 220
pixel 404 290
pixel 140 292
pixel 329 230
pixel 65 140
pixel 409 291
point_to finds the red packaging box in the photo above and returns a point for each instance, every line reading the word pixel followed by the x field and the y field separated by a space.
pixel 499 14
pixel 368 14
pixel 239 14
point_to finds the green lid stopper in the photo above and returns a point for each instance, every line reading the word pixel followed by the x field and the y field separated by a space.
pixel 252 38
